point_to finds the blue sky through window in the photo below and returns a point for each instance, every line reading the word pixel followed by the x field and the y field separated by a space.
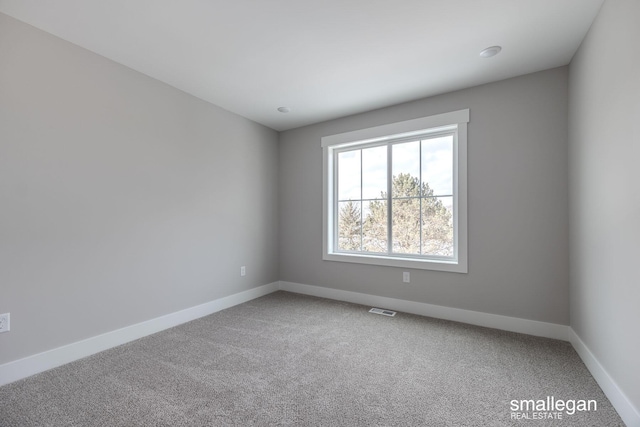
pixel 363 173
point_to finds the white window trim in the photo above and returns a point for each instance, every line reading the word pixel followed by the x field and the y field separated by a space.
pixel 392 131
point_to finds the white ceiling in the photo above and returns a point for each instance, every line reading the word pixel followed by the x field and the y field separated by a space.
pixel 324 58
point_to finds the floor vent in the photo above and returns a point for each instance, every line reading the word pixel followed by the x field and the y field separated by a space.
pixel 383 312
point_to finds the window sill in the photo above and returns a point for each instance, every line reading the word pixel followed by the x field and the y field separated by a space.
pixel 419 264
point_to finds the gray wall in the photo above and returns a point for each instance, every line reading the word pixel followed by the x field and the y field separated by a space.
pixel 121 198
pixel 604 149
pixel 518 208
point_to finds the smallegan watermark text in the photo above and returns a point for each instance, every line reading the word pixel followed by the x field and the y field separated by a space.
pixel 549 408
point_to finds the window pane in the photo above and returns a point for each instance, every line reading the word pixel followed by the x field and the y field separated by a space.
pixel 374 172
pixel 349 226
pixel 437 226
pixel 349 175
pixel 406 225
pixel 437 165
pixel 374 227
pixel 389 192
pixel 406 169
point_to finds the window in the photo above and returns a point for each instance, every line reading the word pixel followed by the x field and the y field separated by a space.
pixel 396 194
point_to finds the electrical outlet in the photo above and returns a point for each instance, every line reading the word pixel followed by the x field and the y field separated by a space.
pixel 4 322
pixel 243 271
pixel 406 277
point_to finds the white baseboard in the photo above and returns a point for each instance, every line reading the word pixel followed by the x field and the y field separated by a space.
pixel 627 411
pixel 506 323
pixel 22 368
pixel 31 365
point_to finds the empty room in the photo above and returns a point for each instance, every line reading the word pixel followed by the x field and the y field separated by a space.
pixel 319 213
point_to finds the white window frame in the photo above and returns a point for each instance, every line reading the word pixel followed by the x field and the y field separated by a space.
pixel 330 144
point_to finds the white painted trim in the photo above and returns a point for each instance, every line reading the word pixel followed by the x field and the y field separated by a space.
pixel 625 408
pixel 627 411
pixel 496 321
pixel 31 365
pixel 398 128
pixel 454 123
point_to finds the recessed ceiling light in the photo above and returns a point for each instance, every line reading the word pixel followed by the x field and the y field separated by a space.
pixel 490 51
pixel 284 109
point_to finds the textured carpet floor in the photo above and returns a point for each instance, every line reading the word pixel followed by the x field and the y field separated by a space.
pixel 287 359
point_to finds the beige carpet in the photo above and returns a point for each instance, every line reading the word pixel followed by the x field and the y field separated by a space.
pixel 293 360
